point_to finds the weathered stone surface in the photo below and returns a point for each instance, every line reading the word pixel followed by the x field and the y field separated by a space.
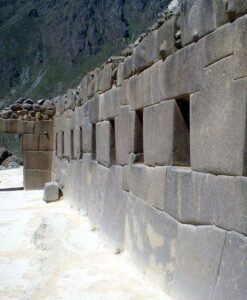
pixel 178 201
pixel 157 189
pixel 29 126
pixel 126 132
pixel 150 238
pixel 120 74
pixel 51 192
pixel 36 179
pixel 166 37
pixel 11 126
pixel 68 144
pixel 236 8
pixel 46 142
pixel 59 124
pixel 125 178
pixel 110 103
pixel 30 142
pixel 232 280
pixel 155 83
pixel 184 66
pixel 199 18
pixel 218 121
pixel 127 67
pixel 87 134
pixel 77 140
pixel 114 208
pixel 198 257
pixel 60 144
pixel 79 114
pixel 218 44
pixel 145 53
pixel 37 160
pixel 44 127
pixel 132 90
pixel 105 143
pixel 106 78
pixel 240 48
pixel 93 106
pixel 84 87
pixel 124 93
pixel 166 136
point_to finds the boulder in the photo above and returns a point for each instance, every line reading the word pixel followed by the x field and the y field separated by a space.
pixel 51 192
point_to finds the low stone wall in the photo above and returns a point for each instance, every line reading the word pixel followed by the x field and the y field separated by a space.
pixel 152 147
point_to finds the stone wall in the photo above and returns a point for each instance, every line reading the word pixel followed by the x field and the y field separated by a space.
pixel 152 147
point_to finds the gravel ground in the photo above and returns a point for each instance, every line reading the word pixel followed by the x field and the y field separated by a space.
pixel 47 251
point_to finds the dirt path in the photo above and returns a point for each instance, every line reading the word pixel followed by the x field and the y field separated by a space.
pixel 49 252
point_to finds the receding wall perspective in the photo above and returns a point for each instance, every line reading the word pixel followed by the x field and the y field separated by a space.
pixel 152 146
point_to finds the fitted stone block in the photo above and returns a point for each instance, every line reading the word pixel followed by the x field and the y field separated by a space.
pixel 127 130
pixel 106 78
pixel 84 88
pixel 219 44
pixel 140 181
pixel 105 143
pixel 36 179
pixel 127 67
pixel 60 144
pixel 240 48
pixel 77 147
pixel 110 104
pixel 37 160
pixel 142 97
pixel 178 202
pixel 114 208
pixel 218 122
pixel 166 135
pixel 236 8
pixel 79 114
pixel 132 90
pixel 184 67
pixel 124 93
pixel 150 238
pixel 232 280
pixel 198 257
pixel 120 74
pixel 145 53
pixel 68 144
pixel 125 178
pixel 51 192
pixel 13 126
pixel 30 142
pixel 155 83
pixel 199 18
pixel 46 142
pixel 87 134
pixel 165 37
pixel 28 126
pixel 93 106
pixel 59 124
pixel 44 127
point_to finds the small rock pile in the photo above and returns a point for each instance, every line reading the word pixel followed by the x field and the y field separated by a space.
pixel 27 110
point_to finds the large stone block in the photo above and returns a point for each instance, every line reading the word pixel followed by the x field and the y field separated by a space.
pixel 125 179
pixel 114 207
pixel 184 67
pixel 165 38
pixel 236 8
pixel 44 127
pixel 37 160
pixel 155 83
pixel 93 106
pixel 79 114
pixel 218 44
pixel 199 18
pixel 240 48
pixel 110 104
pixel 106 78
pixel 132 90
pixel 51 192
pixel 88 135
pixel 36 179
pixel 77 140
pixel 166 135
pixel 84 87
pixel 68 144
pixel 60 144
pixel 30 142
pixel 120 74
pixel 124 93
pixel 127 130
pixel 198 257
pixel 13 126
pixel 29 126
pixel 150 238
pixel 178 202
pixel 127 67
pixel 59 124
pixel 105 143
pixel 142 97
pixel 46 142
pixel 232 280
pixel 145 53
pixel 218 122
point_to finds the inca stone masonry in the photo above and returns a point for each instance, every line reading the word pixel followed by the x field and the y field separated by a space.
pixel 153 147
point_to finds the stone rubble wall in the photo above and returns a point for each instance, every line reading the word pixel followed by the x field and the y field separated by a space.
pixel 152 146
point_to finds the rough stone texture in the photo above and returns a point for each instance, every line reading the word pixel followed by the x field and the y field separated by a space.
pixel 68 144
pixel 132 90
pixel 36 179
pixel 151 240
pixel 236 8
pixel 37 160
pixel 125 178
pixel 155 83
pixel 46 142
pixel 218 122
pixel 232 280
pixel 165 128
pixel 111 103
pixel 124 93
pixel 93 106
pixel 240 48
pixel 87 133
pixel 126 132
pixel 77 140
pixel 106 78
pixel 127 67
pixel 60 144
pixel 198 257
pixel 105 143
pixel 114 208
pixel 120 74
pixel 199 18
pixel 44 127
pixel 219 44
pixel 51 192
pixel 145 53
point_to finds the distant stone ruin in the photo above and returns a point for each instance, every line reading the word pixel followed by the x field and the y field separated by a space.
pixel 152 146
